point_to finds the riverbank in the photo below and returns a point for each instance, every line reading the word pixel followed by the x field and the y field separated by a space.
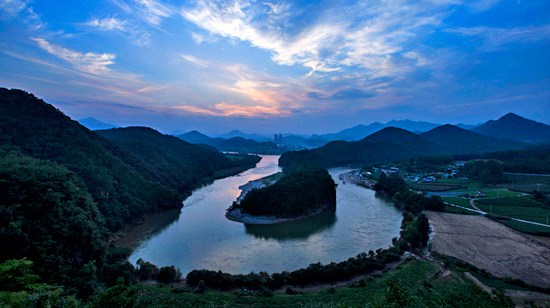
pixel 238 216
pixel 356 178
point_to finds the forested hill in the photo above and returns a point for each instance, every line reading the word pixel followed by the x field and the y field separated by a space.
pixel 388 144
pixel 391 144
pixel 233 144
pixel 124 180
pixel 172 161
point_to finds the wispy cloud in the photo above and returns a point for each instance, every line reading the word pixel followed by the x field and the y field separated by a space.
pixel 109 24
pixel 13 7
pixel 363 35
pixel 21 8
pixel 494 38
pixel 149 11
pixel 92 63
pixel 112 24
pixel 231 110
pixel 199 62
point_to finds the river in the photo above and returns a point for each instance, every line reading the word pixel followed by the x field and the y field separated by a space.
pixel 202 238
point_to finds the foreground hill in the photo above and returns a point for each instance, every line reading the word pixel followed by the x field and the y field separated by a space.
pixel 456 140
pixel 234 144
pixel 121 179
pixel 513 127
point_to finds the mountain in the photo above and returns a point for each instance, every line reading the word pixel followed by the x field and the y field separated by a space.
pixel 389 144
pixel 412 126
pixel 514 127
pixel 234 144
pixel 238 133
pixel 121 179
pixel 304 142
pixel 355 133
pixel 169 160
pixel 467 126
pixel 195 137
pixel 359 132
pixel 456 140
pixel 95 124
pixel 411 141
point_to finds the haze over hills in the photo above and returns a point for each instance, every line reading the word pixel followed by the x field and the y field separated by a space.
pixel 391 143
pixel 234 144
pixel 94 124
pixel 456 140
pixel 238 133
pixel 514 127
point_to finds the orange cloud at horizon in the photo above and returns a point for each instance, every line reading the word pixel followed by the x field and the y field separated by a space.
pixel 228 110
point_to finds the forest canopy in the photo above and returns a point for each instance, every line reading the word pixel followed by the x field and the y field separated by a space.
pixel 305 187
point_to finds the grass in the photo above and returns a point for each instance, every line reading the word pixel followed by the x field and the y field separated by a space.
pixel 431 186
pixel 516 207
pixel 527 228
pixel 418 280
pixel 464 202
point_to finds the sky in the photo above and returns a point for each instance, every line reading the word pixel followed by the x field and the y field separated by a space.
pixel 279 66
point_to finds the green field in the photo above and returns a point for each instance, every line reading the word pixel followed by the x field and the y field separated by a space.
pixel 464 202
pixel 515 207
pixel 527 228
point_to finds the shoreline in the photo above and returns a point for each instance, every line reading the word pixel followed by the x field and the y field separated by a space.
pixel 237 216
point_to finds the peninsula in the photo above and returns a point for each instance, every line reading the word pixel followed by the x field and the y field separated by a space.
pixel 303 190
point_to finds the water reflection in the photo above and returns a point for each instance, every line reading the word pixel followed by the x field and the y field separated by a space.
pixel 155 224
pixel 298 230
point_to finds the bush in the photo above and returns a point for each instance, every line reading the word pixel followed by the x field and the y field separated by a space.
pixel 168 274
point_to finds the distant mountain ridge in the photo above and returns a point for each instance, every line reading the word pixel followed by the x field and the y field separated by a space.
pixel 234 144
pixel 514 127
pixel 94 124
pixel 391 143
pixel 456 140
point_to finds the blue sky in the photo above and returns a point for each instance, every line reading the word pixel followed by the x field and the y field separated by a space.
pixel 279 66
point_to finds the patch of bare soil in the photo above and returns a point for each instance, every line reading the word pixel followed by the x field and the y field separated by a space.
pixel 491 246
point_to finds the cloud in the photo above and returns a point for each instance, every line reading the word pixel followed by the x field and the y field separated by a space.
pixel 231 110
pixel 140 37
pixel 149 11
pixel 13 7
pixel 109 24
pixel 494 38
pixel 21 9
pixel 361 35
pixel 196 61
pixel 92 63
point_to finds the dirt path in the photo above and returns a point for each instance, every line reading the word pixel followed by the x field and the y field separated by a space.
pixel 473 204
pixel 491 246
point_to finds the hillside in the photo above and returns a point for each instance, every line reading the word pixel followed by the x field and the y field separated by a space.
pixel 171 161
pixel 234 144
pixel 513 127
pixel 405 138
pixel 386 145
pixel 456 140
pixel 122 180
